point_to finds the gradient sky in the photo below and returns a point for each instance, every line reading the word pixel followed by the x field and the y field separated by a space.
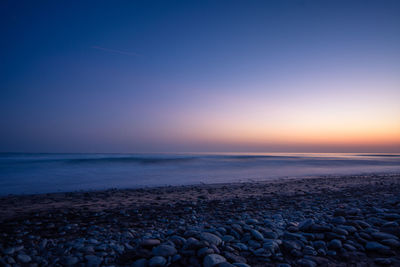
pixel 176 76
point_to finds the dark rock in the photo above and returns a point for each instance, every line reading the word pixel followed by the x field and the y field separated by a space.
pixel 257 235
pixel 335 244
pixel 210 238
pixel 140 263
pixel 377 247
pixel 306 263
pixel 212 260
pixel 157 261
pixel 164 250
pixel 150 242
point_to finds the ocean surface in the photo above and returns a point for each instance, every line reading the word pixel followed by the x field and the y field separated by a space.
pixel 45 173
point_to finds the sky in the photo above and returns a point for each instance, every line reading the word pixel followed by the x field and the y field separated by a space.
pixel 200 76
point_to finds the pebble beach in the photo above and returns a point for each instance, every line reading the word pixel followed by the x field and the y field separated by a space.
pixel 315 221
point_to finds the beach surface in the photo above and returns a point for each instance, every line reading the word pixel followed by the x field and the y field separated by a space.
pixel 331 220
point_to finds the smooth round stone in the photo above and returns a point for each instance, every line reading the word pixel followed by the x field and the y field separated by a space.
pixel 253 244
pixel 257 235
pixel 340 231
pixel 271 235
pixel 212 260
pixel 291 244
pixel 211 238
pixel 335 244
pixel 93 261
pixel 306 263
pixel 140 263
pixel 271 245
pixel 319 244
pixel 9 251
pixel 240 264
pixel 150 242
pixel 375 246
pixel 225 264
pixel 331 253
pixel 391 243
pixel 306 224
pixel 241 246
pixel 204 251
pixel 382 236
pixel 390 224
pixel 338 220
pixel 383 261
pixel 176 257
pixel 228 238
pixel 157 261
pixel 252 221
pixel 70 260
pixel 164 250
pixel 24 258
pixel 349 247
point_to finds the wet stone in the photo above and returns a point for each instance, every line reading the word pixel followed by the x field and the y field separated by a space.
pixel 212 260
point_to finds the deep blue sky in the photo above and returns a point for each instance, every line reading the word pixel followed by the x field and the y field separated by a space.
pixel 145 76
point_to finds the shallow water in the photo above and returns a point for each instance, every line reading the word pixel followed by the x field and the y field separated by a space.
pixel 44 173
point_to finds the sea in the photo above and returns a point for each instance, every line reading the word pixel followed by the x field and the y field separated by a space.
pixel 47 173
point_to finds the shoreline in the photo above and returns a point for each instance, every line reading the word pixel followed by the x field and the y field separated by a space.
pixel 301 222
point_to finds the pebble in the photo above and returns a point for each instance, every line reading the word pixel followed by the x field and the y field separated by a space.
pixel 257 235
pixel 211 238
pixel 335 244
pixel 212 260
pixel 150 242
pixel 24 258
pixel 93 261
pixel 164 250
pixel 157 261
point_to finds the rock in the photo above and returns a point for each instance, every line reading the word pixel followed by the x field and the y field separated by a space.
pixel 240 264
pixel 24 258
pixel 394 243
pixel 382 236
pixel 335 244
pixel 150 242
pixel 212 260
pixel 70 260
pixel 140 263
pixel 338 220
pixel 306 224
pixel 377 247
pixel 176 257
pixel 234 258
pixel 349 247
pixel 306 263
pixel 383 261
pixel 9 251
pixel 93 261
pixel 252 221
pixel 204 251
pixel 257 235
pixel 228 238
pixel 211 238
pixel 289 245
pixel 157 261
pixel 225 264
pixel 164 250
pixel 319 244
pixel 253 244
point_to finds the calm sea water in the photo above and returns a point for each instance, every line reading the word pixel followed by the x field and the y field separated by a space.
pixel 44 173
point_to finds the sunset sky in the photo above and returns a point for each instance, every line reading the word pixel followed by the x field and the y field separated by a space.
pixel 197 76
